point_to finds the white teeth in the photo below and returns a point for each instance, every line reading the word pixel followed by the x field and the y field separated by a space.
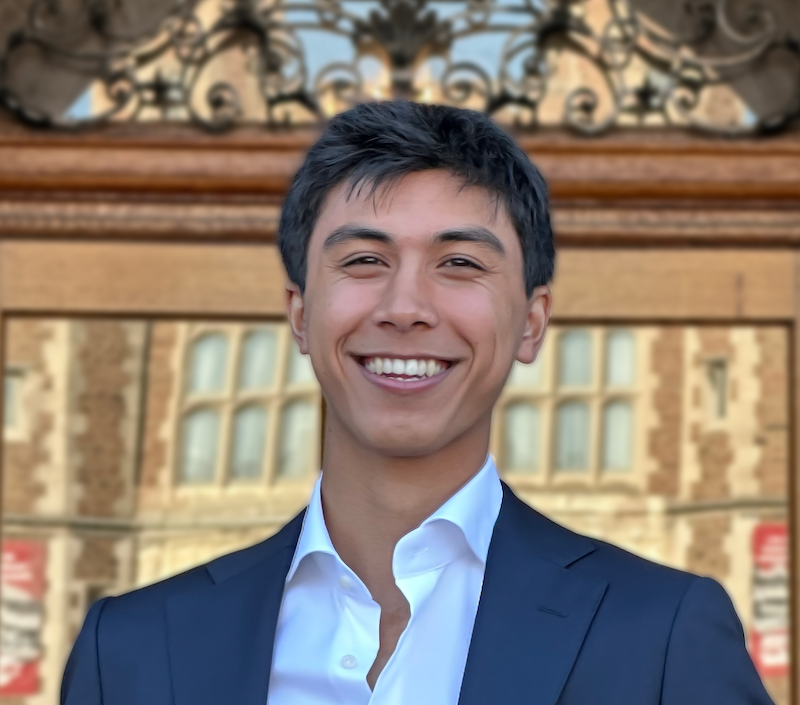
pixel 394 367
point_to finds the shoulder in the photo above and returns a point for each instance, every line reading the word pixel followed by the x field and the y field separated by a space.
pixel 634 580
pixel 642 592
pixel 637 580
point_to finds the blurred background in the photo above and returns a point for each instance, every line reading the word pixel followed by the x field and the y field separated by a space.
pixel 153 421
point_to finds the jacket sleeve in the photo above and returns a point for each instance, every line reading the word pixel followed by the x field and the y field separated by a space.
pixel 707 661
pixel 81 683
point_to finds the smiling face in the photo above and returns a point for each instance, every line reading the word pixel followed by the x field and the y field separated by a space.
pixel 414 311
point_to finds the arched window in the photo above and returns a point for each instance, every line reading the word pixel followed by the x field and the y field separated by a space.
pixel 575 359
pixel 521 437
pixel 617 435
pixel 267 418
pixel 199 444
pixel 259 359
pixel 620 361
pixel 572 436
pixel 247 446
pixel 208 364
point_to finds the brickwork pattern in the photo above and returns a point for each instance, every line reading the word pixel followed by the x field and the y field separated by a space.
pixel 160 388
pixel 97 562
pixel 100 447
pixel 714 449
pixel 773 412
pixel 707 555
pixel 664 443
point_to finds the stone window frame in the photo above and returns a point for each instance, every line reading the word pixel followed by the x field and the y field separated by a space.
pixel 230 399
pixel 548 397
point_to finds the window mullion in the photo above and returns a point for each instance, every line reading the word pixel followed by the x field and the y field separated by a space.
pixel 227 407
pixel 596 404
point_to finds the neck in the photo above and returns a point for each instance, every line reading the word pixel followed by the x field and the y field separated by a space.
pixel 371 500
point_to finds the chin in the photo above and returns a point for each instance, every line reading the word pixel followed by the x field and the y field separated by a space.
pixel 406 442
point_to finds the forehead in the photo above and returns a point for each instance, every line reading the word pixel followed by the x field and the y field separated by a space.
pixel 417 204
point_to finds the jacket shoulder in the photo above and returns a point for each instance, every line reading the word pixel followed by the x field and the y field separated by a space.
pixel 633 577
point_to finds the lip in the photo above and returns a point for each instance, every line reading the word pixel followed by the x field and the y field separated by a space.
pixel 397 387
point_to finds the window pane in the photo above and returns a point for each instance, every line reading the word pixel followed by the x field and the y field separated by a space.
pixel 575 358
pixel 620 358
pixel 259 355
pixel 617 435
pixel 247 450
pixel 521 432
pixel 200 440
pixel 717 380
pixel 299 441
pixel 300 369
pixel 527 375
pixel 208 363
pixel 572 436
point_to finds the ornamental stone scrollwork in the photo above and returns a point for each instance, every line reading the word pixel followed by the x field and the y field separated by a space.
pixel 718 66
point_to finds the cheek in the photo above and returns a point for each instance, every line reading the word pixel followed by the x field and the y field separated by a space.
pixel 336 313
pixel 487 322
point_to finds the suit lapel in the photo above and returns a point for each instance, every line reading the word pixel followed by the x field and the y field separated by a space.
pixel 221 638
pixel 533 613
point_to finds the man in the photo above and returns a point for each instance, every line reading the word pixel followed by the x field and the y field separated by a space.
pixel 419 252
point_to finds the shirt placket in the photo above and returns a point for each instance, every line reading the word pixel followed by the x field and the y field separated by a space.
pixel 356 639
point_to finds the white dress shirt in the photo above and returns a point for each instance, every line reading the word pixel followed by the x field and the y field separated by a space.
pixel 327 635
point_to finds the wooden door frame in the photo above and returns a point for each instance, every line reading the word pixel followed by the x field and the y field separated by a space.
pixel 164 223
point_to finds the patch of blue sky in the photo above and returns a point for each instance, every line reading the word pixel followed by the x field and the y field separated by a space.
pixel 81 108
pixel 483 48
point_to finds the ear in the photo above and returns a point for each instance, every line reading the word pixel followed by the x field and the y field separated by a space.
pixel 538 318
pixel 295 312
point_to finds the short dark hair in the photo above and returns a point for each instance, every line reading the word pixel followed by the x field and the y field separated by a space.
pixel 378 143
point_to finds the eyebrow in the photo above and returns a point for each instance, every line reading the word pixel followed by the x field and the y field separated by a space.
pixel 346 233
pixel 479 235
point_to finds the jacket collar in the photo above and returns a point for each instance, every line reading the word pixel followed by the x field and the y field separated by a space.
pixel 473 509
pixel 221 637
pixel 533 615
pixel 534 612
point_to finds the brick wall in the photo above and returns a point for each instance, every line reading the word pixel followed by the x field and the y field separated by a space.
pixel 664 442
pixel 161 388
pixel 713 446
pixel 773 412
pixel 107 363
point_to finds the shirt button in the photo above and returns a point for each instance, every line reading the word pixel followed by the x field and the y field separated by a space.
pixel 345 583
pixel 349 661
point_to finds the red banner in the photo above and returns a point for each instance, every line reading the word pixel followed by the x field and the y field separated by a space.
pixel 22 573
pixel 769 638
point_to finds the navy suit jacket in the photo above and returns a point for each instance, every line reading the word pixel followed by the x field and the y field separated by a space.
pixel 562 619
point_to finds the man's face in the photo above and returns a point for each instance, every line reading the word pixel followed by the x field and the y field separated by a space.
pixel 414 311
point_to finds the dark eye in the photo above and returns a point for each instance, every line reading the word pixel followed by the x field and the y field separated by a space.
pixel 366 259
pixel 461 262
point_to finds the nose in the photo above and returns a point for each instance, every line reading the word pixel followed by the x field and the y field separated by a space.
pixel 407 302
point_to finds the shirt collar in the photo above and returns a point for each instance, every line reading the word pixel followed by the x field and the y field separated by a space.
pixel 473 509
